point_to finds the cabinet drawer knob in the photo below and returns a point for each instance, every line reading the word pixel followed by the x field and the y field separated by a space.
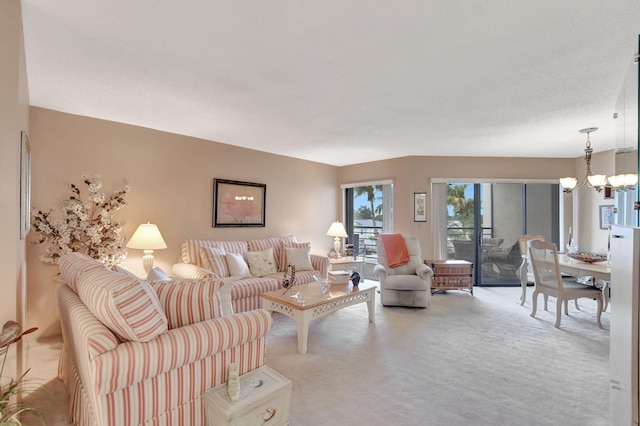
pixel 268 414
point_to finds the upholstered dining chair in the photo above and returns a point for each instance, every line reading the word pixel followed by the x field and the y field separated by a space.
pixel 548 281
pixel 525 272
pixel 404 285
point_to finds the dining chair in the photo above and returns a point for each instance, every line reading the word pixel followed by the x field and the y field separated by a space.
pixel 548 281
pixel 524 272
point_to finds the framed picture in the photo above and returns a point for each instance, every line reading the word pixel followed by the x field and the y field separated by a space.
pixel 606 216
pixel 419 206
pixel 25 185
pixel 238 204
pixel 608 193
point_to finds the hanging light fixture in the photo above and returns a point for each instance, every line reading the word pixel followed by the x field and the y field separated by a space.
pixel 597 182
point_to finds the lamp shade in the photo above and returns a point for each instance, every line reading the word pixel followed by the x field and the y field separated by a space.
pixel 337 230
pixel 147 237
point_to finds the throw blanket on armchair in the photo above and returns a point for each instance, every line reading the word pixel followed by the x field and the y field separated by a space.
pixel 396 249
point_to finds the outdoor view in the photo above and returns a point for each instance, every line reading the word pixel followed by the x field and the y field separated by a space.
pixel 367 218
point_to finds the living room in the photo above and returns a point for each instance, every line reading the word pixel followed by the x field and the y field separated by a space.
pixel 171 179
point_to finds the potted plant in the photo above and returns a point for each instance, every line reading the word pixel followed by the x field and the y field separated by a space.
pixel 10 411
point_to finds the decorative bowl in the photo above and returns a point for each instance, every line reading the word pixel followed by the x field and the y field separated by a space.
pixel 588 257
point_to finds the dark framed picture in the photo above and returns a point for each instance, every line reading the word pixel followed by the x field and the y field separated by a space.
pixel 419 206
pixel 25 185
pixel 607 216
pixel 608 193
pixel 238 204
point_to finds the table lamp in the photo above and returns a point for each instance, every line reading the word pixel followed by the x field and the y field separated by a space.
pixel 148 238
pixel 337 230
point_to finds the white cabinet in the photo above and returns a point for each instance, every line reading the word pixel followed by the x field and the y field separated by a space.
pixel 625 295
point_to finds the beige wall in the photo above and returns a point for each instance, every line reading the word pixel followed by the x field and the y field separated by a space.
pixel 414 174
pixel 171 179
pixel 14 117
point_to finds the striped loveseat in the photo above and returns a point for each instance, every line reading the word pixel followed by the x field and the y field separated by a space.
pixel 143 353
pixel 206 258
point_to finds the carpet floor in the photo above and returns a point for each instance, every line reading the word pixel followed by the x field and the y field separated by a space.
pixel 478 360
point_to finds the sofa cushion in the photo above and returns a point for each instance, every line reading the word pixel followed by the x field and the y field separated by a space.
pixel 73 265
pixel 300 258
pixel 289 244
pixel 273 242
pixel 261 262
pixel 215 260
pixel 127 305
pixel 188 301
pixel 237 266
pixel 190 251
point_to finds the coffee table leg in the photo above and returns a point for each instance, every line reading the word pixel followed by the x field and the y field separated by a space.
pixel 302 323
pixel 371 306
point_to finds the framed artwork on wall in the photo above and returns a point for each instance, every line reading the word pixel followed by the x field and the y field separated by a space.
pixel 25 185
pixel 419 206
pixel 608 193
pixel 607 216
pixel 238 204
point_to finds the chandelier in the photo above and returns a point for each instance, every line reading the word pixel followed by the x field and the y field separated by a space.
pixel 597 182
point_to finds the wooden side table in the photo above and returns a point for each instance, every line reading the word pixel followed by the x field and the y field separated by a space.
pixel 451 275
pixel 347 264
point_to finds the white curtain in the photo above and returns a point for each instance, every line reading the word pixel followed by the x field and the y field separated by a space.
pixel 439 220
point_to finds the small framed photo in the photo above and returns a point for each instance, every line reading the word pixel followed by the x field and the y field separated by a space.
pixel 238 204
pixel 608 193
pixel 419 206
pixel 607 216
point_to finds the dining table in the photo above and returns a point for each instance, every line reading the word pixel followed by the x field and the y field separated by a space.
pixel 600 271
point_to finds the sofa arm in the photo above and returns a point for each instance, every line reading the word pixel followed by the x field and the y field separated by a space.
pixel 380 271
pixel 189 270
pixel 424 271
pixel 320 264
pixel 134 362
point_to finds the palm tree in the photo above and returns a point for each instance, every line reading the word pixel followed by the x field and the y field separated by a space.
pixel 462 207
pixel 370 191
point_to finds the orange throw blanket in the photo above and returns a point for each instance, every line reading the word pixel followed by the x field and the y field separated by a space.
pixel 396 249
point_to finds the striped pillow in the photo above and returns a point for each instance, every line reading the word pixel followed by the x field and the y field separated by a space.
pixel 128 306
pixel 213 258
pixel 73 265
pixel 187 301
pixel 287 244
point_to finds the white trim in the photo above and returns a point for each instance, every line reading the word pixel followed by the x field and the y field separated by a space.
pixel 367 183
pixel 489 180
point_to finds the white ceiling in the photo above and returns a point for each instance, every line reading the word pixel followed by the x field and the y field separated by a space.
pixel 341 81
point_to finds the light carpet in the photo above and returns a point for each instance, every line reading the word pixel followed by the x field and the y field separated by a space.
pixel 478 360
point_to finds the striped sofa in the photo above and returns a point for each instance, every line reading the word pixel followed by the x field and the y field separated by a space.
pixel 143 353
pixel 245 292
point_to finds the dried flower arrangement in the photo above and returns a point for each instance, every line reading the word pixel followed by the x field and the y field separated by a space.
pixel 86 226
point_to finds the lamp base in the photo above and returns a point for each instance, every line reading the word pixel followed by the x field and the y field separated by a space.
pixel 336 246
pixel 147 261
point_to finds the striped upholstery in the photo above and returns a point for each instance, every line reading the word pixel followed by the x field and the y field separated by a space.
pixel 188 301
pixel 159 382
pixel 187 270
pixel 214 259
pixel 275 243
pixel 72 265
pixel 128 306
pixel 245 295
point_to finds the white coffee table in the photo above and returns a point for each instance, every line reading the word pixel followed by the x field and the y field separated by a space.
pixel 318 305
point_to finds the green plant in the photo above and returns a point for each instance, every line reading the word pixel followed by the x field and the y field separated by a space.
pixel 11 411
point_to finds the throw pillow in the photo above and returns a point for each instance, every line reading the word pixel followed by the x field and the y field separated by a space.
pixel 237 266
pixel 283 257
pixel 300 258
pixel 157 274
pixel 261 262
pixel 123 271
pixel 188 301
pixel 128 306
pixel 214 259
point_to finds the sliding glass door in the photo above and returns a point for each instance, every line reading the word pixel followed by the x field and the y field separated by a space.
pixel 485 221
